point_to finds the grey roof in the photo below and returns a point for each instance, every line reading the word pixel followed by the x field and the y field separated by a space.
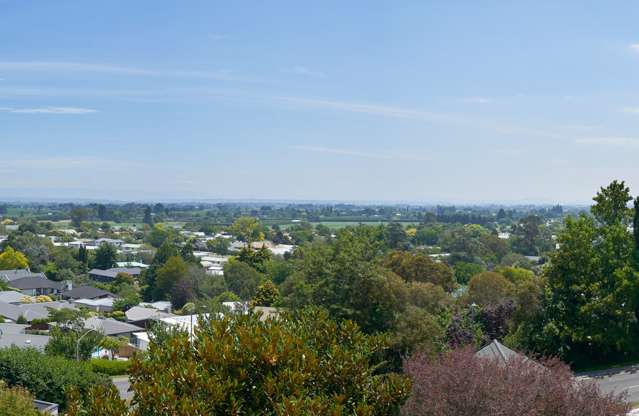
pixel 499 352
pixel 38 282
pixel 24 341
pixel 31 311
pixel 109 326
pixel 113 272
pixel 140 313
pixel 10 296
pixel 85 292
pixel 8 328
pixel 11 275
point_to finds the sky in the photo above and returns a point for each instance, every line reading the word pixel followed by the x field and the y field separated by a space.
pixel 393 101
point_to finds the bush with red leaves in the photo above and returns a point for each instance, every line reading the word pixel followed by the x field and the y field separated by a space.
pixel 459 384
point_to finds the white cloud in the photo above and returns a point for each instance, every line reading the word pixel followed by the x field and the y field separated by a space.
pixel 62 66
pixel 630 110
pixel 476 100
pixel 609 141
pixel 304 71
pixel 634 47
pixel 358 153
pixel 49 110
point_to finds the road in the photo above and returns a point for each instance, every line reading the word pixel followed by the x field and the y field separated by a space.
pixel 617 381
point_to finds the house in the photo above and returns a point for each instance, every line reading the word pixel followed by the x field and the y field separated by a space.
pixel 141 340
pixel 132 264
pixel 140 316
pixel 98 305
pixel 499 352
pixel 11 296
pixel 160 305
pixel 30 311
pixel 84 292
pixel 16 335
pixel 11 275
pixel 112 241
pixel 36 286
pixel 110 327
pixel 110 274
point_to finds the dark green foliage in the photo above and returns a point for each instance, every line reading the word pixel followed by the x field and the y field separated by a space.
pixel 242 279
pixel 47 377
pixel 105 257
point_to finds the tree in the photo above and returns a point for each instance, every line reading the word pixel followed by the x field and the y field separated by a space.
pixel 489 288
pixel 611 203
pixel 242 279
pixel 63 342
pixel 460 384
pixel 417 267
pixel 113 344
pixel 267 294
pixel 246 229
pixel 102 213
pixel 464 271
pixel 106 257
pixel 78 215
pixel 396 236
pixel 527 234
pixel 11 259
pixel 257 259
pixel 218 245
pixel 169 275
pixel 148 216
pixel 299 365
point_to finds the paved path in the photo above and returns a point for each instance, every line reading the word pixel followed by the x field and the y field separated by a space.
pixel 122 383
pixel 618 380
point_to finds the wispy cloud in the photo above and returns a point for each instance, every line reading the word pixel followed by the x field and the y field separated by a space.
pixel 609 141
pixel 67 163
pixel 634 47
pixel 361 154
pixel 630 110
pixel 476 100
pixel 49 110
pixel 63 66
pixel 304 71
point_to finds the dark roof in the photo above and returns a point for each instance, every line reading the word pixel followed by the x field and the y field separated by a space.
pixel 86 292
pixel 11 275
pixel 113 272
pixel 27 283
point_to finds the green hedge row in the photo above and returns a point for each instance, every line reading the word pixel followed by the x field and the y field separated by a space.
pixel 110 367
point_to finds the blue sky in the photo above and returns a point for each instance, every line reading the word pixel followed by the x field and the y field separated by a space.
pixel 362 100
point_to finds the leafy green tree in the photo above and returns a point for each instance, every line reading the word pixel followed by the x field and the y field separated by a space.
pixel 11 259
pixel 63 342
pixel 267 294
pixel 489 288
pixel 246 229
pixel 106 257
pixel 78 215
pixel 242 279
pixel 396 236
pixel 417 267
pixel 169 275
pixel 158 235
pixel 611 203
pixel 527 234
pixel 464 271
pixel 257 259
pixel 298 366
pixel 148 217
pixel 218 245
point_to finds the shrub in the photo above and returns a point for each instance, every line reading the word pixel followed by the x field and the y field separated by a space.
pixel 45 376
pixel 16 401
pixel 294 366
pixel 460 384
pixel 110 367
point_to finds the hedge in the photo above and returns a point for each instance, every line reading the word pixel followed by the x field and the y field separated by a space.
pixel 110 367
pixel 47 377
